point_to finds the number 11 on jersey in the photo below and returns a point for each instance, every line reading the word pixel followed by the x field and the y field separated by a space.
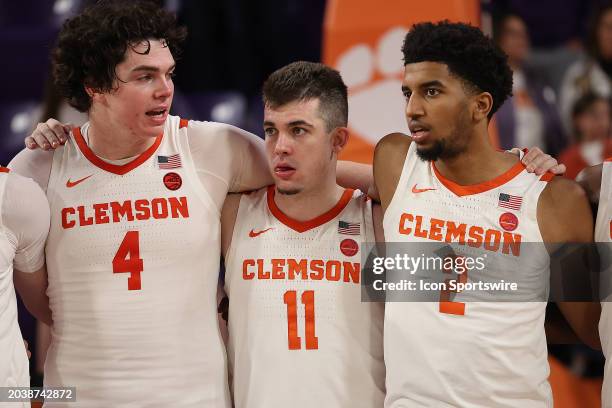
pixel 295 342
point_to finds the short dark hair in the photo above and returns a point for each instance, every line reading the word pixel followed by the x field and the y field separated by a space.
pixel 92 44
pixel 300 81
pixel 468 53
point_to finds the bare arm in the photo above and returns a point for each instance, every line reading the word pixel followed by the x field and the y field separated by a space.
pixel 389 157
pixel 32 289
pixel 564 216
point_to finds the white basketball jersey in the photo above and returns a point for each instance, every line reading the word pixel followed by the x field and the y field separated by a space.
pixel 299 334
pixel 472 353
pixel 14 369
pixel 133 262
pixel 24 224
pixel 603 237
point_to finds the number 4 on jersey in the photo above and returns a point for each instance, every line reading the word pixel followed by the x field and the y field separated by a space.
pixel 127 259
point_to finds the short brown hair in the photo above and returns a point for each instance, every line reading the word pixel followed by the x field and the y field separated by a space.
pixel 300 81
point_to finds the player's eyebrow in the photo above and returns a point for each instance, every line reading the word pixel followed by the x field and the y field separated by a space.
pixel 150 68
pixel 300 123
pixel 429 84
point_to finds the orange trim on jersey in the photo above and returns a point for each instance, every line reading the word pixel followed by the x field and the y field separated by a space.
pixel 609 159
pixel 114 168
pixel 302 226
pixel 547 176
pixel 482 187
pixel 183 123
pixel 4 169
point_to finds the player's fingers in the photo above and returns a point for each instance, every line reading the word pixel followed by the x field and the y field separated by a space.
pixel 59 132
pixel 45 136
pixel 529 158
pixel 30 143
pixel 559 169
pixel 543 163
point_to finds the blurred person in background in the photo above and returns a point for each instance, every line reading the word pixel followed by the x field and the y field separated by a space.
pixel 592 73
pixel 555 32
pixel 529 117
pixel 591 121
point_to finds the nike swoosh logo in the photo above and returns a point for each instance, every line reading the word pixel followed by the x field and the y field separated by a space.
pixel 254 234
pixel 71 184
pixel 416 190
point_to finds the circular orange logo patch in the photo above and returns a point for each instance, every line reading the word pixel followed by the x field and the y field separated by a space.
pixel 508 221
pixel 173 181
pixel 349 247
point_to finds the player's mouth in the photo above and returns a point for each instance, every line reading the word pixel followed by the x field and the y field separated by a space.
pixel 419 132
pixel 284 171
pixel 158 115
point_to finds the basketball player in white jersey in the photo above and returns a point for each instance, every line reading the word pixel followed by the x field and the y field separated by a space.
pixel 299 334
pixel 24 222
pixel 597 181
pixel 448 184
pixel 135 198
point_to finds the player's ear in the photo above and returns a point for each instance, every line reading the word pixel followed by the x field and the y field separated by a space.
pixel 339 137
pixel 483 103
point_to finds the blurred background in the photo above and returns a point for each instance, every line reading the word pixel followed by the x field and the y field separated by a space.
pixel 560 52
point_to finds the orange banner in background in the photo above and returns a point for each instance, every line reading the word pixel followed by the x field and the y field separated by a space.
pixel 362 40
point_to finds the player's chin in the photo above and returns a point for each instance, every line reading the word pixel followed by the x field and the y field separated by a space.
pixel 287 187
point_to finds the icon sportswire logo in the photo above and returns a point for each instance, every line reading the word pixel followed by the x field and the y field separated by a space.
pixel 71 184
pixel 254 233
pixel 417 190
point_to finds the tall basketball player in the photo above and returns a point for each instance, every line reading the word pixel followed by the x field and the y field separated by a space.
pixel 24 222
pixel 299 334
pixel 447 182
pixel 135 198
pixel 597 181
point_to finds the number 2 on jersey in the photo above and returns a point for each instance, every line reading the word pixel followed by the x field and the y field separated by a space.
pixel 295 342
pixel 127 259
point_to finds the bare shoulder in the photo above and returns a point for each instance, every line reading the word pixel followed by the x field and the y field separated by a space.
pixel 564 213
pixel 590 180
pixel 389 157
pixel 393 144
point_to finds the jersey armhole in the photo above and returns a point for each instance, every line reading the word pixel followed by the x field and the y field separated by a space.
pixel 235 232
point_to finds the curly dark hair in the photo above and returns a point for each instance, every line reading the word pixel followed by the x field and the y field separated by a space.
pixel 301 81
pixel 468 53
pixel 92 44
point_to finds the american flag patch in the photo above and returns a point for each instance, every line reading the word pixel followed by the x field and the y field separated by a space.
pixel 509 201
pixel 169 162
pixel 349 228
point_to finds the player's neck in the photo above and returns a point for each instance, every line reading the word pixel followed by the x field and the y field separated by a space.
pixel 113 143
pixel 480 162
pixel 307 205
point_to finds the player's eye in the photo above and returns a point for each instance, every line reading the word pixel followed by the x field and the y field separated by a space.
pixel 145 78
pixel 268 132
pixel 407 94
pixel 298 131
pixel 432 92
